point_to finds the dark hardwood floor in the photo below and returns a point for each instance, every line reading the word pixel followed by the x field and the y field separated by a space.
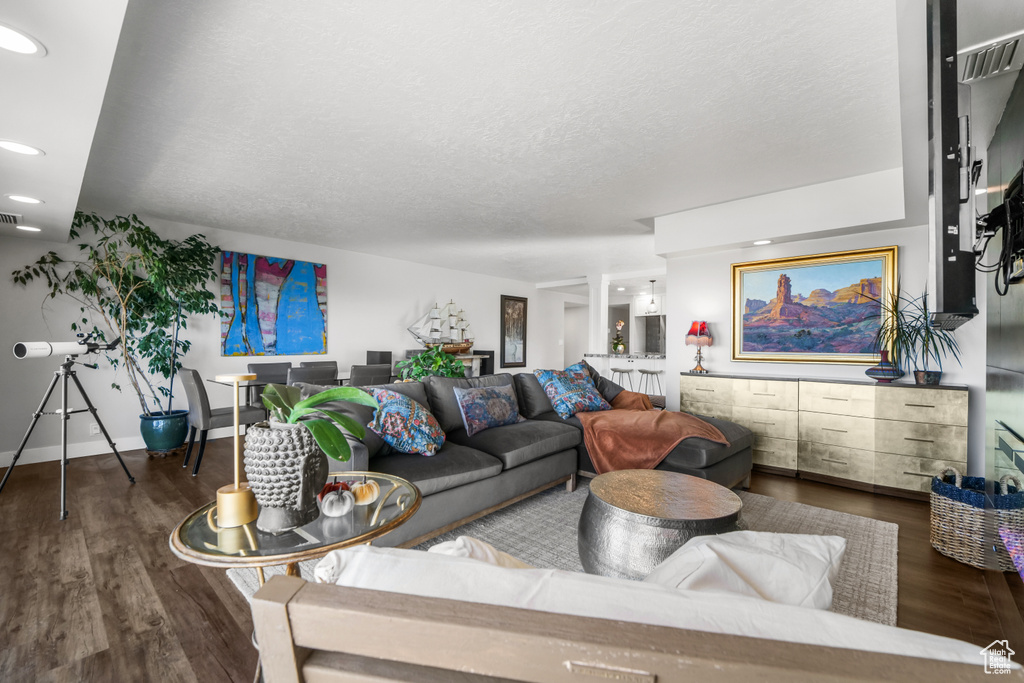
pixel 100 597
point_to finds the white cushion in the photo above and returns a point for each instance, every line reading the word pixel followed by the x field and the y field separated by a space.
pixel 794 569
pixel 415 572
pixel 474 548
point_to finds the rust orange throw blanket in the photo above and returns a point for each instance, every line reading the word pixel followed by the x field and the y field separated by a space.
pixel 632 436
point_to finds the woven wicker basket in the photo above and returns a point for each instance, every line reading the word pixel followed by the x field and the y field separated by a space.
pixel 960 524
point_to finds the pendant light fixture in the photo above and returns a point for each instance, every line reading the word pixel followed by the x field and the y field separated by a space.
pixel 652 308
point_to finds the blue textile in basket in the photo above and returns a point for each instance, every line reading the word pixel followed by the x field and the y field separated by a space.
pixel 973 493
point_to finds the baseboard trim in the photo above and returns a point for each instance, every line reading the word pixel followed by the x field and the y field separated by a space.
pixel 862 486
pixel 771 469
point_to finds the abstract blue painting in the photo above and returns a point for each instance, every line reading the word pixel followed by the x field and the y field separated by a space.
pixel 272 306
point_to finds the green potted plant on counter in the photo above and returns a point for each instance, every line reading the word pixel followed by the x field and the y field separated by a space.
pixel 135 286
pixel 433 361
pixel 618 343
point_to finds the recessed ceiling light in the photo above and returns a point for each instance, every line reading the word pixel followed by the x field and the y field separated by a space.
pixel 981 190
pixel 22 43
pixel 622 289
pixel 28 228
pixel 19 148
pixel 23 199
pixel 761 243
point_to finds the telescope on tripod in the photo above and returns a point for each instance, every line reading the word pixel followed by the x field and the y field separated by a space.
pixel 70 350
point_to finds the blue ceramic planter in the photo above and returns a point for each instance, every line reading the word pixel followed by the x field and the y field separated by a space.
pixel 164 431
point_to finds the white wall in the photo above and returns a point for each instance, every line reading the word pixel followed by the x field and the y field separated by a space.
pixel 699 288
pixel 371 301
pixel 577 324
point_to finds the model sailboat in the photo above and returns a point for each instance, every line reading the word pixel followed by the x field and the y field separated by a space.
pixel 445 326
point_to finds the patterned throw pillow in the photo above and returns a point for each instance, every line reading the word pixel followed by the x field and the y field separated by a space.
pixel 571 391
pixel 486 407
pixel 404 424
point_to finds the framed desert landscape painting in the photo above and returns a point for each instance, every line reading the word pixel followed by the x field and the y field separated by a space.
pixel 821 308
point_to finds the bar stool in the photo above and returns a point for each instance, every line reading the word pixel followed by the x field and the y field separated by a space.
pixel 647 377
pixel 628 372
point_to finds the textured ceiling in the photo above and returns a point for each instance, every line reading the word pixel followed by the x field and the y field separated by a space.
pixel 520 139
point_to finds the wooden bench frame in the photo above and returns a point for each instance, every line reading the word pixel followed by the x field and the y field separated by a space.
pixel 312 633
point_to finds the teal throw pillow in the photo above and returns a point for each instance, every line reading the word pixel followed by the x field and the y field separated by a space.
pixel 571 391
pixel 404 424
pixel 486 407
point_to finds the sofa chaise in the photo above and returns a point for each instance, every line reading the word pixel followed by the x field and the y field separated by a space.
pixel 728 466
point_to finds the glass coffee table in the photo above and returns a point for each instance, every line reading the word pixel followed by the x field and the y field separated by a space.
pixel 199 540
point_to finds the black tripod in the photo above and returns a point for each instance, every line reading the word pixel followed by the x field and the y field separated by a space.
pixel 63 373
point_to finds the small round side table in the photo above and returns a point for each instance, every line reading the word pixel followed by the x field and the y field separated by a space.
pixel 633 519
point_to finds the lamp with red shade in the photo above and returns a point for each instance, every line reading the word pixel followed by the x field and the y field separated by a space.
pixel 698 336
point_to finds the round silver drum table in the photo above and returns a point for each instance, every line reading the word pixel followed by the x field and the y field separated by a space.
pixel 634 519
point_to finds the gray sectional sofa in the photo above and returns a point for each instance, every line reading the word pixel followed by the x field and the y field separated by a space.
pixel 473 475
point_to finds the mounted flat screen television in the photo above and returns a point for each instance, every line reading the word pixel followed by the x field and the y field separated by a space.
pixel 952 175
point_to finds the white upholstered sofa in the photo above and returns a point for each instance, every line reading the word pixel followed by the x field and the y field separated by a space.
pixel 417 616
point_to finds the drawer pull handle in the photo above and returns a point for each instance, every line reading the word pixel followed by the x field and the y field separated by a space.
pixel 917 405
pixel 758 450
pixel 699 389
pixel 759 394
pixel 829 429
pixel 761 422
pixel 833 398
pixel 918 474
pixel 910 438
pixel 839 462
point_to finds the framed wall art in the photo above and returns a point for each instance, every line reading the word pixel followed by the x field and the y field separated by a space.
pixel 272 306
pixel 821 308
pixel 513 331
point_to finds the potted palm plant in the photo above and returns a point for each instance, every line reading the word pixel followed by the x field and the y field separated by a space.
pixel 134 286
pixel 284 464
pixel 912 342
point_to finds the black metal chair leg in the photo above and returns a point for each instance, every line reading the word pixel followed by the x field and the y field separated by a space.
pixel 202 447
pixel 191 442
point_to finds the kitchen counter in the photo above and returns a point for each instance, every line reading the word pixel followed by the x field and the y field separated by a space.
pixel 604 362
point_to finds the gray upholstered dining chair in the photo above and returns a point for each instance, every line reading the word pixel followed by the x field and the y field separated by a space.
pixel 271 373
pixel 202 418
pixel 366 375
pixel 332 364
pixel 324 375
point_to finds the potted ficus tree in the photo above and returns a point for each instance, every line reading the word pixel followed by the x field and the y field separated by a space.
pixel 135 286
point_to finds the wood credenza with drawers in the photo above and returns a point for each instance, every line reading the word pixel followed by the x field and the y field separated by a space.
pixel 890 438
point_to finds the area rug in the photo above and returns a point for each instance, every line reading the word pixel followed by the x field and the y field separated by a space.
pixel 541 530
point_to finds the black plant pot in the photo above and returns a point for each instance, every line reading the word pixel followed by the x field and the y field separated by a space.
pixel 927 377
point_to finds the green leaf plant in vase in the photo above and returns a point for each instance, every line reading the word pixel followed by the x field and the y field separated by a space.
pixel 433 361
pixel 618 343
pixel 906 331
pixel 286 460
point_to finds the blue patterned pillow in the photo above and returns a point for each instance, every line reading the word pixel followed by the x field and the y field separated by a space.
pixel 404 424
pixel 571 391
pixel 486 407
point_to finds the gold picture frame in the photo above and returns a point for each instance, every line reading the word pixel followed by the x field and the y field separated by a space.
pixel 832 313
